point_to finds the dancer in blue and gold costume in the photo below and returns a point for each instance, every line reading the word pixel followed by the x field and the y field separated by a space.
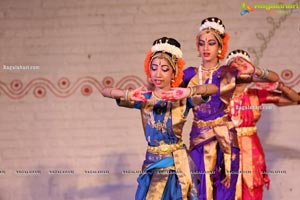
pixel 167 167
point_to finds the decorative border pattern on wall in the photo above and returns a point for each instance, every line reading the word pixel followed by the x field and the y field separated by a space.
pixel 64 88
pixel 287 77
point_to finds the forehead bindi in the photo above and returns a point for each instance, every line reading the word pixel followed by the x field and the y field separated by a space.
pixel 207 37
pixel 160 62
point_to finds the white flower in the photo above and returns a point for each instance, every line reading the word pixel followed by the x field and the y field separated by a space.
pixel 167 48
pixel 214 25
pixel 238 54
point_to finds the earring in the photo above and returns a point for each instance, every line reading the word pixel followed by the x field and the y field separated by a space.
pixel 219 52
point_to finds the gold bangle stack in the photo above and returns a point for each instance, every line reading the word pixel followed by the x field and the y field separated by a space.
pixel 126 95
pixel 264 73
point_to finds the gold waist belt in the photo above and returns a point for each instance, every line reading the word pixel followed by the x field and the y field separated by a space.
pixel 246 131
pixel 165 148
pixel 215 122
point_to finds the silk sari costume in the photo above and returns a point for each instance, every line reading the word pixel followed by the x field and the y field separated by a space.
pixel 253 176
pixel 213 142
pixel 166 169
pixel 245 111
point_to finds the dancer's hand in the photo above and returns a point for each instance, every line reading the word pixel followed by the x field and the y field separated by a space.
pixel 242 66
pixel 176 94
pixel 137 94
pixel 268 86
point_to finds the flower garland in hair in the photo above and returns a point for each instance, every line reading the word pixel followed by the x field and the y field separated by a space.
pixel 225 46
pixel 178 78
pixel 168 48
pixel 212 25
pixel 180 65
pixel 147 64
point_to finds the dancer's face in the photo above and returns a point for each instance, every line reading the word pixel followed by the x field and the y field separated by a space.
pixel 161 73
pixel 208 47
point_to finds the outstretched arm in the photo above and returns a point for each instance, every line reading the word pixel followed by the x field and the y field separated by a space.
pixel 115 93
pixel 265 75
pixel 286 97
pixel 288 93
pixel 197 90
pixel 128 95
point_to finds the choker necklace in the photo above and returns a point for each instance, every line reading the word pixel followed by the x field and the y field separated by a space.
pixel 213 69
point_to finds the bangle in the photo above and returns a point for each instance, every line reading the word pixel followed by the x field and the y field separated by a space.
pixel 191 91
pixel 266 73
pixel 126 95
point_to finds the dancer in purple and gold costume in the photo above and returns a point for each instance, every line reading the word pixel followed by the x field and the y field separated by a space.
pixel 213 142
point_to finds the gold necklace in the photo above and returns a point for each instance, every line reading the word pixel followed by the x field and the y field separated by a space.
pixel 213 69
pixel 161 126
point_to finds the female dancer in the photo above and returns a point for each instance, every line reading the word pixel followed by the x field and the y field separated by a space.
pixel 166 170
pixel 213 142
pixel 245 111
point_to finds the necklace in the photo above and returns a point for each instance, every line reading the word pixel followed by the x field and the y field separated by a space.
pixel 161 126
pixel 201 69
pixel 213 69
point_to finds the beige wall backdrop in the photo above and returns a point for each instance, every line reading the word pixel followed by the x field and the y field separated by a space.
pixel 61 140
